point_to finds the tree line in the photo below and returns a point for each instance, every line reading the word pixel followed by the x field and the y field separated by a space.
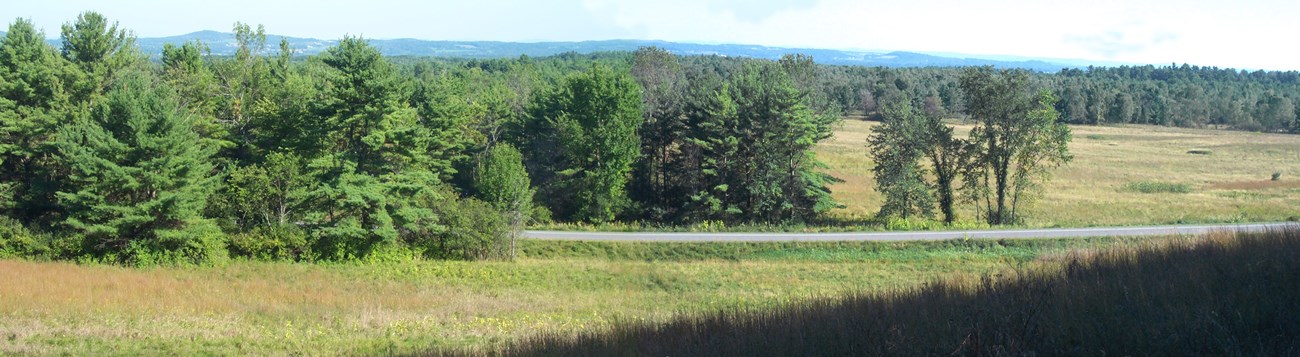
pixel 108 154
pixel 1174 95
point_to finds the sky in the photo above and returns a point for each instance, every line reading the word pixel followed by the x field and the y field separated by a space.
pixel 1251 34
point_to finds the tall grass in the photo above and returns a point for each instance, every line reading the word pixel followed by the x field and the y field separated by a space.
pixel 1223 294
pixel 1158 187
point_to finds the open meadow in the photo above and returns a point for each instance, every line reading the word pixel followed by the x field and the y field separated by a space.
pixel 1224 294
pixel 1198 176
pixel 403 306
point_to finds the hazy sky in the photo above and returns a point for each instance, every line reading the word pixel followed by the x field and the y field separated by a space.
pixel 1243 34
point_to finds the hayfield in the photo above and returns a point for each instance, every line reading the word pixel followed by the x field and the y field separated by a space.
pixel 1224 294
pixel 1232 183
pixel 411 305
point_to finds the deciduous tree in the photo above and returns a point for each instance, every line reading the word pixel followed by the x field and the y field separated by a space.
pixel 897 146
pixel 1016 140
pixel 595 116
pixel 501 180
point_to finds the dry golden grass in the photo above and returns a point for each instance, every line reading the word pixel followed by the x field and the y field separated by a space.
pixel 1230 184
pixel 1222 294
pixel 282 308
pixel 1255 185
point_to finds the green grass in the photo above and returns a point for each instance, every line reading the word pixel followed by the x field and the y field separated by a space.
pixel 1158 187
pixel 828 224
pixel 405 306
pixel 1223 294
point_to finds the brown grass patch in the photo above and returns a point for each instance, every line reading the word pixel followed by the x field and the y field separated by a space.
pixel 1255 185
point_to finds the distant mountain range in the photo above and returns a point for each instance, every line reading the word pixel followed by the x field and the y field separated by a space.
pixel 223 43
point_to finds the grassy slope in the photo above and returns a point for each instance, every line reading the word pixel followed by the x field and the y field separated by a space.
pixel 1230 185
pixel 277 308
pixel 1219 295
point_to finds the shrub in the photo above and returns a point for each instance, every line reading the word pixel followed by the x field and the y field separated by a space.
pixel 474 230
pixel 1158 187
pixel 200 244
pixel 1277 176
pixel 273 243
pixel 17 241
pixel 1200 152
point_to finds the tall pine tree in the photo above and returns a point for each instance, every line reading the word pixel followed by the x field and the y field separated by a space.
pixel 777 130
pixel 33 102
pixel 139 175
pixel 100 50
pixel 375 179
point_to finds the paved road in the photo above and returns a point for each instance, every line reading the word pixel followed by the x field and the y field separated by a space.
pixel 903 236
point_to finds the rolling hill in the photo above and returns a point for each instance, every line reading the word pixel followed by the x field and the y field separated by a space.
pixel 223 43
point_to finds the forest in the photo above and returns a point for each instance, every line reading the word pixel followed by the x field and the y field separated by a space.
pixel 110 154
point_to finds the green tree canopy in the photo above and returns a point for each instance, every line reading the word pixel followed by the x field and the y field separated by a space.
pixel 33 103
pixel 754 135
pixel 897 146
pixel 375 183
pixel 139 176
pixel 100 50
pixel 1017 139
pixel 595 115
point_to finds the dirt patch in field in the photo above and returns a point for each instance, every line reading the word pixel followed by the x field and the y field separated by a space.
pixel 1255 185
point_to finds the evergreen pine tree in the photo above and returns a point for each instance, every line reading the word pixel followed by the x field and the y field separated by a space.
pixel 139 175
pixel 375 180
pixel 100 50
pixel 33 103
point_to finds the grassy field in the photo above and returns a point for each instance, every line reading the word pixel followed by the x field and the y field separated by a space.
pixel 412 305
pixel 1223 295
pixel 1227 176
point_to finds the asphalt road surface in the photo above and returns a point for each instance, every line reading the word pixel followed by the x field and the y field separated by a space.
pixel 905 236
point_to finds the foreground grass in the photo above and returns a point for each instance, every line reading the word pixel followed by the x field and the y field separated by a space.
pixel 1220 295
pixel 411 305
pixel 1230 184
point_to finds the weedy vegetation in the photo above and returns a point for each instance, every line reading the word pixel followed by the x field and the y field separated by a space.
pixel 1221 294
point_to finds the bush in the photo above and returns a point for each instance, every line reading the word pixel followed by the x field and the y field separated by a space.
pixel 1158 187
pixel 923 224
pixel 273 243
pixel 17 241
pixel 202 243
pixel 1277 176
pixel 1200 152
pixel 474 230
